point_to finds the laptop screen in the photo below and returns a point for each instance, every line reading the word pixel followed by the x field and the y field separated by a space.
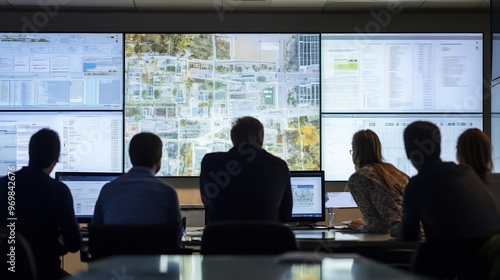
pixel 340 200
pixel 85 188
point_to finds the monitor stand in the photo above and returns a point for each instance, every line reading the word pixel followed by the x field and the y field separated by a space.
pixel 301 225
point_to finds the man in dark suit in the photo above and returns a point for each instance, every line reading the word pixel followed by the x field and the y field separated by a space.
pixel 245 183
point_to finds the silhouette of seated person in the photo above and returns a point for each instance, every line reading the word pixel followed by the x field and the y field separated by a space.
pixel 43 207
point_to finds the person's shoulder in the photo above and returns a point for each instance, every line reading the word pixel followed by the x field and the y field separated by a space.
pixel 493 177
pixel 166 187
pixel 215 156
pixel 116 182
pixel 358 176
pixel 367 169
pixel 459 170
pixel 412 183
pixel 57 186
pixel 272 157
pixel 450 165
pixel 365 172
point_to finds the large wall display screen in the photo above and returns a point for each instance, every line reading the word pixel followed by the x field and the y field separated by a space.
pixel 55 71
pixel 495 126
pixel 495 140
pixel 385 81
pixel 338 129
pixel 190 88
pixel 495 83
pixel 495 57
pixel 90 141
pixel 402 72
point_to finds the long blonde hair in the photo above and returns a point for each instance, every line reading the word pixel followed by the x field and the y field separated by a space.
pixel 367 151
pixel 474 149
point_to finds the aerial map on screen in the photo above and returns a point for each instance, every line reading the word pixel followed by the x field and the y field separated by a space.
pixel 190 88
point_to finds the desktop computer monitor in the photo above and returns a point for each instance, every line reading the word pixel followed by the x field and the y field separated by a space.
pixel 85 188
pixel 308 191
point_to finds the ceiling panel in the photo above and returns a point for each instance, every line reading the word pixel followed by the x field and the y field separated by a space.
pixel 450 4
pixel 485 4
pixel 4 5
pixel 298 3
pixel 175 4
pixel 375 6
pixel 202 5
pixel 339 5
pixel 75 3
pixel 245 5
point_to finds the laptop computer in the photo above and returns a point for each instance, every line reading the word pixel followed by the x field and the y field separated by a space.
pixel 85 188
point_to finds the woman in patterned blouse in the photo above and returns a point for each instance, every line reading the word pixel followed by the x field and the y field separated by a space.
pixel 376 186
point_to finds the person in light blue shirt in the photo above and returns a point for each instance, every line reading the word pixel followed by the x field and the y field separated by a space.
pixel 138 197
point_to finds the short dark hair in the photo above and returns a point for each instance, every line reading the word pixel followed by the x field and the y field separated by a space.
pixel 422 142
pixel 145 148
pixel 247 130
pixel 44 148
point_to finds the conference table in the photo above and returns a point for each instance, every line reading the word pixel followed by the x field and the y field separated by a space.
pixel 335 238
pixel 327 240
pixel 380 247
pixel 296 265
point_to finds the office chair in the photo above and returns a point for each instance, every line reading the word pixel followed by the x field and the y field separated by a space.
pixel 25 264
pixel 247 238
pixel 489 255
pixel 449 259
pixel 107 240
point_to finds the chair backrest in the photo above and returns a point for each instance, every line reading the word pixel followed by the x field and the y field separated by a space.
pixel 22 261
pixel 247 238
pixel 449 259
pixel 107 240
pixel 489 256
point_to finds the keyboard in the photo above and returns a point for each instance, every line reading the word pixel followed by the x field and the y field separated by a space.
pixel 84 231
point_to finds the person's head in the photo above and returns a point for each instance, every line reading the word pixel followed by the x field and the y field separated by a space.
pixel 44 149
pixel 145 149
pixel 422 142
pixel 366 148
pixel 247 130
pixel 474 149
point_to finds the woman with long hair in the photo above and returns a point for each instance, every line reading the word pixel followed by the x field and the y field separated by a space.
pixel 376 186
pixel 474 149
